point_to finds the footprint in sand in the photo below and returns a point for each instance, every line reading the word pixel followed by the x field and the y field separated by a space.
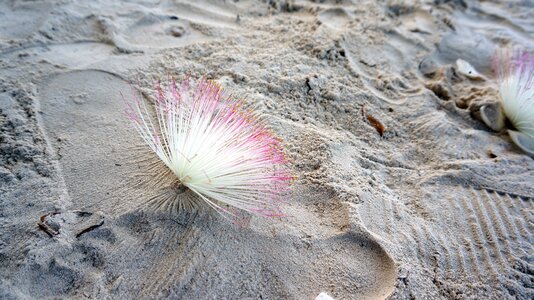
pixel 182 25
pixel 158 31
pixel 82 113
pixel 458 232
pixel 70 55
pixel 27 17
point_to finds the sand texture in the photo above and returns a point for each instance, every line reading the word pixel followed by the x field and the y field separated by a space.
pixel 438 207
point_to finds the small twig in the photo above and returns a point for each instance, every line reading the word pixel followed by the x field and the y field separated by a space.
pixel 44 227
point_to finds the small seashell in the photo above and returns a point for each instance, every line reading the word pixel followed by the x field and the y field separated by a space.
pixel 468 70
pixel 428 67
pixel 493 116
pixel 523 141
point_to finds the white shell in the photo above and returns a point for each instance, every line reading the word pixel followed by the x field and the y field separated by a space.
pixel 493 116
pixel 523 141
pixel 468 70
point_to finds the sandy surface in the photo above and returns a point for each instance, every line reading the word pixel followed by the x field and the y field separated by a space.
pixel 439 207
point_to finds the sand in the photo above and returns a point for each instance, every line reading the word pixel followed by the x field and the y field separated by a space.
pixel 439 207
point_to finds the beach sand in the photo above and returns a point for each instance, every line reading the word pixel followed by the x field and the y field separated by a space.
pixel 438 207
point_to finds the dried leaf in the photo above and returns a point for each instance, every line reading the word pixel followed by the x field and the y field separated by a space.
pixel 380 128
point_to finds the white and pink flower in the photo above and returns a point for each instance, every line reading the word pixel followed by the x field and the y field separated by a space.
pixel 515 72
pixel 214 147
